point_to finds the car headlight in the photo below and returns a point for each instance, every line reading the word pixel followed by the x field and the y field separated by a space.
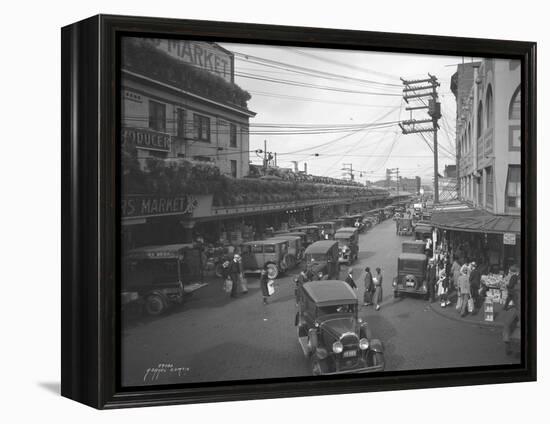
pixel 337 347
pixel 363 344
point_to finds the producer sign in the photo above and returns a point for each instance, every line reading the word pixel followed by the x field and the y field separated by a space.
pixel 144 138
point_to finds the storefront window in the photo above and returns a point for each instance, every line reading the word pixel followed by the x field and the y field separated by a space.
pixel 513 189
pixel 157 116
pixel 202 127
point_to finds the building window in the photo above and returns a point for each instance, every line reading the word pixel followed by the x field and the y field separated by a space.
pixel 202 127
pixel 232 135
pixel 513 189
pixel 201 158
pixel 489 107
pixel 515 105
pixel 489 187
pixel 233 168
pixel 157 116
pixel 469 135
pixel 479 120
pixel 180 123
pixel 514 138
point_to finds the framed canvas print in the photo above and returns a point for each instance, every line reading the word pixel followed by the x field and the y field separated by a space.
pixel 253 211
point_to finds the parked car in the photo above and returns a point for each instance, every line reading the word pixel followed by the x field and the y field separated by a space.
pixel 348 244
pixel 405 227
pixel 332 336
pixel 295 248
pixel 312 233
pixel 162 275
pixel 413 246
pixel 321 260
pixel 411 275
pixel 273 253
pixel 355 220
pixel 422 231
pixel 326 229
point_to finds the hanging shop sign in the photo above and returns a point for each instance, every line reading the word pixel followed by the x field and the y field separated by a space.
pixel 509 238
pixel 144 138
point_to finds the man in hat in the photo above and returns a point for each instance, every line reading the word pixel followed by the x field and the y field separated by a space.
pixel 475 284
pixel 513 288
pixel 235 273
pixel 431 279
pixel 349 279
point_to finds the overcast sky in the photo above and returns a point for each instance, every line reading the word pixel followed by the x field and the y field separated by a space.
pixel 370 151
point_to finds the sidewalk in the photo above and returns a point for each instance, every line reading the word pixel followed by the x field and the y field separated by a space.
pixel 500 316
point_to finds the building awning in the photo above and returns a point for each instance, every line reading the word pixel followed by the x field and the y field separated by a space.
pixel 461 217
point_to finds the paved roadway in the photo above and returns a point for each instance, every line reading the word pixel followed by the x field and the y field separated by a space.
pixel 214 338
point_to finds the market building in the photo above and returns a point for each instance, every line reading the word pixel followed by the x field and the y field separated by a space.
pixel 185 154
pixel 484 223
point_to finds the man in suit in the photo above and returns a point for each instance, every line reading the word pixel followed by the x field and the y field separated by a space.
pixel 235 274
pixel 431 279
pixel 349 279
pixel 475 284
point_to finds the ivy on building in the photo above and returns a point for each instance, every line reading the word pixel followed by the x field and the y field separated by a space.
pixel 141 57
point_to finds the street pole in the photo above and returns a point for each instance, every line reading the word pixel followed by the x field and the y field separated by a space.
pixel 435 117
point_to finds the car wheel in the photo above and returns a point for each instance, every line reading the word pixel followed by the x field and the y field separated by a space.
pixel 272 271
pixel 154 305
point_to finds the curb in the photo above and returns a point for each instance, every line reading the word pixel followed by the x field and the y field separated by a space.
pixel 466 321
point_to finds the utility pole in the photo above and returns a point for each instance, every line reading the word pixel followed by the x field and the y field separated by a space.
pixel 419 89
pixel 348 167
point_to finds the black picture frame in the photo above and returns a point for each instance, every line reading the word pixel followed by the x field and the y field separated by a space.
pixel 91 216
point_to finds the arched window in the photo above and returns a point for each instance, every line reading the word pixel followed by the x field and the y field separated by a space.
pixel 515 105
pixel 479 120
pixel 489 107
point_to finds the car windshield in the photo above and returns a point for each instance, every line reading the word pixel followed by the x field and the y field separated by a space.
pixel 315 257
pixel 342 240
pixel 336 309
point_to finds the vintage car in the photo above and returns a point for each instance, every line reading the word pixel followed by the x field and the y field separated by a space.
pixel 326 229
pixel 413 246
pixel 355 220
pixel 422 231
pixel 348 244
pixel 332 336
pixel 405 226
pixel 339 223
pixel 271 253
pixel 312 233
pixel 295 248
pixel 162 275
pixel 321 260
pixel 411 275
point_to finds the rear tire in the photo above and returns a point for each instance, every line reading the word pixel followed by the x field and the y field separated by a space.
pixel 154 305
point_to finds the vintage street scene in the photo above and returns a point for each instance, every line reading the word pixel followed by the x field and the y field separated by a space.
pixel 295 212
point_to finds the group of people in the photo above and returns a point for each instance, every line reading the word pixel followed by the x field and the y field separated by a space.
pixel 373 287
pixel 232 273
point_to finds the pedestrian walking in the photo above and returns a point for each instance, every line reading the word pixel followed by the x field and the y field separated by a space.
pixel 377 281
pixel 431 279
pixel 235 271
pixel 475 284
pixel 464 290
pixel 455 273
pixel 397 225
pixel 349 279
pixel 513 288
pixel 443 289
pixel 369 288
pixel 264 281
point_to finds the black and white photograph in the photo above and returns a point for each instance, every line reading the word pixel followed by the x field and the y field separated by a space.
pixel 293 211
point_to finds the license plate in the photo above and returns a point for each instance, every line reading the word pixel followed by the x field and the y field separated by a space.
pixel 350 353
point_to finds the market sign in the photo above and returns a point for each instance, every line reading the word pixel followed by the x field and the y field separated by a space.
pixel 146 206
pixel 509 238
pixel 150 206
pixel 144 138
pixel 207 56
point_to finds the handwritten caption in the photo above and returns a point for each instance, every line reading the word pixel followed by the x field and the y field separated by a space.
pixel 154 373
